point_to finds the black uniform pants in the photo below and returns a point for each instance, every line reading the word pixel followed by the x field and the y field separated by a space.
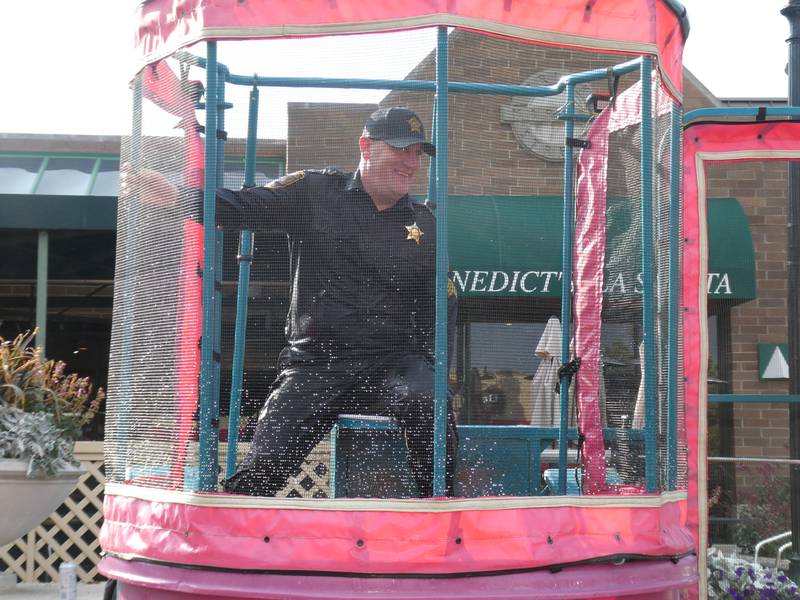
pixel 307 398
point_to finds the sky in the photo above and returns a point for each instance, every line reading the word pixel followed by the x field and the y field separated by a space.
pixel 66 65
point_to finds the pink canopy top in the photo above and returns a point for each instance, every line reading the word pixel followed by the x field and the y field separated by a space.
pixel 652 27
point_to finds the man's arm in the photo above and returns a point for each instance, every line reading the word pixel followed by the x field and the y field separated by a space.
pixel 278 205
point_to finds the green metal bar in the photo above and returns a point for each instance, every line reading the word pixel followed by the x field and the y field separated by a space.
pixel 364 422
pixel 432 167
pixel 566 285
pixel 252 137
pixel 419 85
pixel 720 112
pixel 792 13
pixel 240 332
pixel 42 255
pixel 648 257
pixel 429 86
pixel 37 180
pixel 442 265
pixel 217 355
pixel 221 106
pixel 754 398
pixel 332 462
pixel 673 318
pixel 207 481
pixel 93 176
pixel 552 433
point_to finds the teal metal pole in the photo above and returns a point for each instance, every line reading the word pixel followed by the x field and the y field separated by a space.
pixel 252 137
pixel 792 12
pixel 674 294
pixel 648 256
pixel 217 355
pixel 566 286
pixel 415 84
pixel 718 112
pixel 217 331
pixel 429 86
pixel 432 168
pixel 221 126
pixel 754 398
pixel 208 457
pixel 245 258
pixel 442 266
pixel 42 256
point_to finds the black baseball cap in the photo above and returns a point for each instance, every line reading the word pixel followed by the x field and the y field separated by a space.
pixel 399 127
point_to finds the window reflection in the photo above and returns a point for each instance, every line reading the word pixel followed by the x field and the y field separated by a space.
pixel 497 387
pixel 18 174
pixel 506 380
pixel 66 176
pixel 107 181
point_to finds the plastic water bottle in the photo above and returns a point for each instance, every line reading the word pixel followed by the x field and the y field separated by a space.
pixel 67 581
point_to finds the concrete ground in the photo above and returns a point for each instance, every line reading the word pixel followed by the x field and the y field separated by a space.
pixel 49 591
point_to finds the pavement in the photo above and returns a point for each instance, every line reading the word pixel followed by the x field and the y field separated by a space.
pixel 49 591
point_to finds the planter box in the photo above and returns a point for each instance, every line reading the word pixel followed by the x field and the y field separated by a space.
pixel 27 501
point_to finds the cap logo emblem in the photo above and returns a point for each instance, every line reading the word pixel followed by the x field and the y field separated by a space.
pixel 414 125
pixel 414 233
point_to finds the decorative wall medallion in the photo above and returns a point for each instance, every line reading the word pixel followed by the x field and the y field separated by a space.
pixel 534 120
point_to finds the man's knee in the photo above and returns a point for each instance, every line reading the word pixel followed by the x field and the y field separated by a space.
pixel 412 379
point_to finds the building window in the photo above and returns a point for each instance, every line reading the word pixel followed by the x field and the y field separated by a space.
pixel 66 176
pixel 18 174
pixel 106 181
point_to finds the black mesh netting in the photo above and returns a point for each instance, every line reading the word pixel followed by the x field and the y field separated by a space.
pixel 337 393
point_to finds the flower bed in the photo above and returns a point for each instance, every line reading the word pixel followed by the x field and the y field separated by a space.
pixel 736 578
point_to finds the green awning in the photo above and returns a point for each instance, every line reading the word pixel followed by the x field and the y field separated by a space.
pixel 511 246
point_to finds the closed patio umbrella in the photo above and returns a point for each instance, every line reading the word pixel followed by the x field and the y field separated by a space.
pixel 546 401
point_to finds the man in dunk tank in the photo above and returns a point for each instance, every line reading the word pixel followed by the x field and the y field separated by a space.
pixel 524 532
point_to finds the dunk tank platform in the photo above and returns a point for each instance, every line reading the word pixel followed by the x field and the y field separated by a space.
pixel 558 135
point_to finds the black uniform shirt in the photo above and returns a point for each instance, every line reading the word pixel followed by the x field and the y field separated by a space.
pixel 362 280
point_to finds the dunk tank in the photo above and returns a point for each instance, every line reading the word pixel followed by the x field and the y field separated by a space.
pixel 563 325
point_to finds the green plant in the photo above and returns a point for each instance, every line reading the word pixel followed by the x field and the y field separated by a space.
pixel 735 578
pixel 42 408
pixel 763 510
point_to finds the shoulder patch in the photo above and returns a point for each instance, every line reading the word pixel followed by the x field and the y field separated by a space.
pixel 451 288
pixel 286 180
pixel 327 171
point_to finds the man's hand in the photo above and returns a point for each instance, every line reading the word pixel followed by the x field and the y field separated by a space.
pixel 151 187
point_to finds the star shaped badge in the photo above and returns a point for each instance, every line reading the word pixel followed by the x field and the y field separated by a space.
pixel 414 125
pixel 414 233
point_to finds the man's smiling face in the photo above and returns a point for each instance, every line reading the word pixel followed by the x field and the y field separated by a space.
pixel 388 172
